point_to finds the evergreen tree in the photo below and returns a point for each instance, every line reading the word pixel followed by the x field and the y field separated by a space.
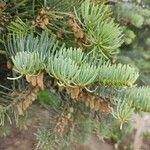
pixel 73 45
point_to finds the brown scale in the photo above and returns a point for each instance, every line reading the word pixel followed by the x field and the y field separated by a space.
pixel 26 98
pixel 59 35
pixel 36 80
pixel 4 17
pixel 74 92
pixel 94 102
pixel 42 20
pixel 80 37
pixel 64 120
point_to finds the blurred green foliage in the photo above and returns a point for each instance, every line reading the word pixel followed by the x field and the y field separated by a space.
pixel 50 98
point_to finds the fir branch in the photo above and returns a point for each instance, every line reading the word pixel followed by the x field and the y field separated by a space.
pixel 75 54
pixel 67 5
pixel 18 26
pixel 42 44
pixel 130 100
pixel 62 69
pixel 105 35
pixel 69 66
pixel 72 67
pixel 28 63
pixel 122 111
pixel 117 75
pixel 139 97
